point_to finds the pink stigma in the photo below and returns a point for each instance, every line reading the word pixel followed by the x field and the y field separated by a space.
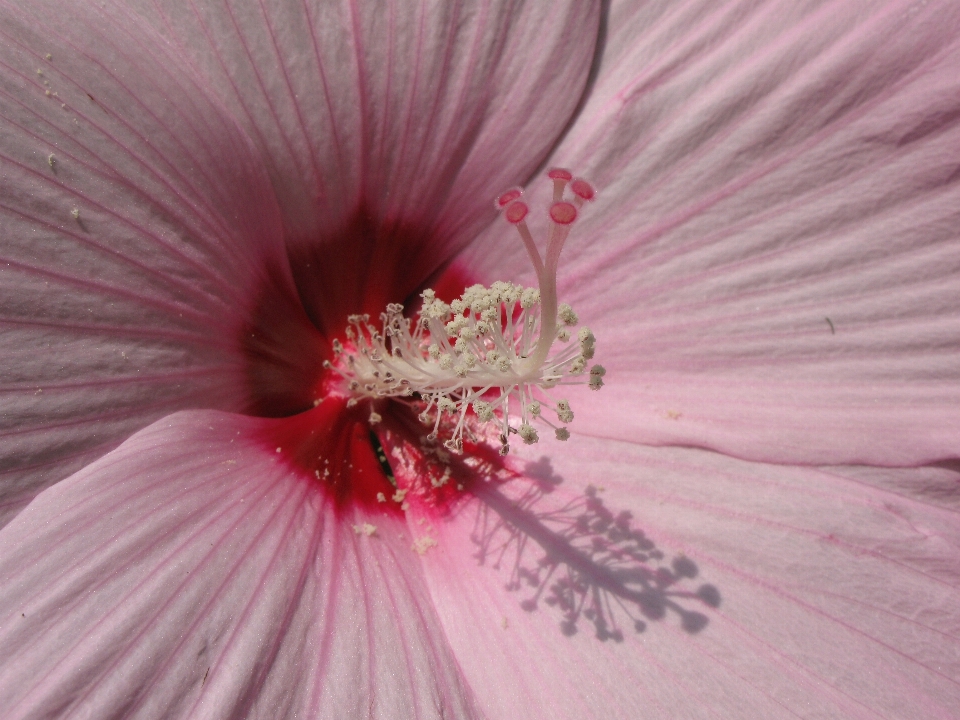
pixel 563 213
pixel 582 189
pixel 508 197
pixel 516 212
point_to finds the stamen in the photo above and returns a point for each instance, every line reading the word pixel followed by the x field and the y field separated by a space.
pixel 469 363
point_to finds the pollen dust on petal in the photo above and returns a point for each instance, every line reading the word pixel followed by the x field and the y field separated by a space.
pixel 422 545
pixel 365 529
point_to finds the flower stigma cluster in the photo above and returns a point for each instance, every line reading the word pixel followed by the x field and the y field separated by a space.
pixel 488 359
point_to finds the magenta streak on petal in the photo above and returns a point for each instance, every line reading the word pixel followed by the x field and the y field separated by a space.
pixel 760 520
pixel 334 132
pixel 418 56
pixel 402 198
pixel 375 182
pixel 322 189
pixel 172 557
pixel 101 418
pixel 259 79
pixel 246 701
pixel 820 679
pixel 782 592
pixel 138 378
pixel 92 330
pixel 363 88
pixel 215 226
pixel 89 203
pixel 677 219
pixel 180 309
pixel 693 279
pixel 76 529
pixel 384 576
pixel 331 602
pixel 805 675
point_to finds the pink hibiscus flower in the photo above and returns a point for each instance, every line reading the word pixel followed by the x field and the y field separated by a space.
pixel 759 516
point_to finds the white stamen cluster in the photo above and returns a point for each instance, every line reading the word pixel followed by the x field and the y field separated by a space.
pixel 490 352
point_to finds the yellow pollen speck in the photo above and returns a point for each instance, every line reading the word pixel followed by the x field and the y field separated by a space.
pixel 380 497
pixel 423 544
pixel 504 624
pixel 365 529
pixel 279 449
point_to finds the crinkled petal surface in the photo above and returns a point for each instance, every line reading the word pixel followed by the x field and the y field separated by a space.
pixel 771 266
pixel 621 582
pixel 137 229
pixel 192 572
pixel 388 128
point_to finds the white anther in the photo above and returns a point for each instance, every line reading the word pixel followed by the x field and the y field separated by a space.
pixel 564 412
pixel 493 349
pixel 445 404
pixel 567 315
pixel 528 434
pixel 596 377
pixel 483 410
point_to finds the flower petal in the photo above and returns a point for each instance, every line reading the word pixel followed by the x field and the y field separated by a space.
pixel 687 584
pixel 389 128
pixel 772 260
pixel 139 239
pixel 192 572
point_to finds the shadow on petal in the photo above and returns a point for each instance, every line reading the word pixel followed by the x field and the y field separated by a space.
pixel 583 561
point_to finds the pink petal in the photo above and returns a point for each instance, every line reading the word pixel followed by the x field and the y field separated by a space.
pixel 192 573
pixel 703 586
pixel 771 266
pixel 389 128
pixel 152 297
